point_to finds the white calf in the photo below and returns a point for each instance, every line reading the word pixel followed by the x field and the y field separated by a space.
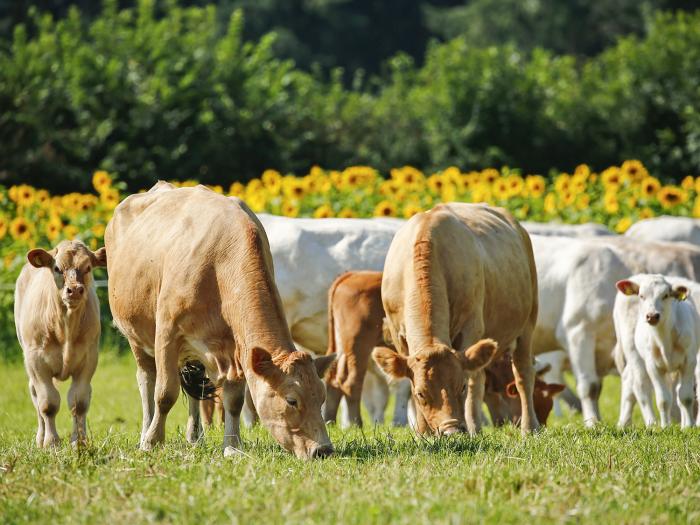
pixel 666 336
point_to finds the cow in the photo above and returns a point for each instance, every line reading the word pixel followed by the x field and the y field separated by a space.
pixel 666 228
pixel 355 327
pixel 658 333
pixel 191 280
pixel 454 276
pixel 589 229
pixel 501 393
pixel 577 299
pixel 57 317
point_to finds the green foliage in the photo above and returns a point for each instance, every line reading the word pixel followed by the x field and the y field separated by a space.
pixel 168 92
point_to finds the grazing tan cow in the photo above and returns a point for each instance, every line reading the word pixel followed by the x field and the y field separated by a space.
pixel 454 275
pixel 57 316
pixel 355 321
pixel 502 396
pixel 191 280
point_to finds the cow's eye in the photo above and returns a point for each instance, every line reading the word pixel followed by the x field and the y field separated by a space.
pixel 420 396
pixel 56 269
pixel 464 388
pixel 666 296
pixel 641 296
pixel 292 402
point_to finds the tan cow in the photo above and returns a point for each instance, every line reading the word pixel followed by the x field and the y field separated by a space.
pixel 191 279
pixel 355 321
pixel 454 275
pixel 57 316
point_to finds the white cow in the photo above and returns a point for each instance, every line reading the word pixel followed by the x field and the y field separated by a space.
pixel 666 228
pixel 576 298
pixel 659 333
pixel 589 229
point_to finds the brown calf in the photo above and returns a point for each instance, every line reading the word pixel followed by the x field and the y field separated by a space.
pixel 57 316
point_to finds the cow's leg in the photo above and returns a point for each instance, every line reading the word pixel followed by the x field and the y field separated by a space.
pixel 498 409
pixel 249 413
pixel 475 397
pixel 375 396
pixel 48 401
pixel 421 423
pixel 233 398
pixel 167 387
pixel 581 346
pixel 40 419
pixel 524 373
pixel 697 392
pixel 206 411
pixel 402 393
pixel 330 407
pixel 570 399
pixel 626 397
pixel 194 423
pixel 642 387
pixel 664 397
pixel 684 390
pixel 146 381
pixel 79 396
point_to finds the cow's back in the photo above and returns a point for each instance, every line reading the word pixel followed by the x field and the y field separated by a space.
pixel 666 229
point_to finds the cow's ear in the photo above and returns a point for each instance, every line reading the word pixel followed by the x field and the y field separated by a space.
pixel 680 292
pixel 99 258
pixel 386 332
pixel 512 390
pixel 478 355
pixel 392 363
pixel 552 389
pixel 627 287
pixel 322 363
pixel 260 362
pixel 40 258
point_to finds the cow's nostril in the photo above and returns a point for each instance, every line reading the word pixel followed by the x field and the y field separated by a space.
pixel 69 291
pixel 653 318
pixel 322 451
pixel 80 290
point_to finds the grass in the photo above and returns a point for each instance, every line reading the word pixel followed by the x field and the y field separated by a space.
pixel 564 473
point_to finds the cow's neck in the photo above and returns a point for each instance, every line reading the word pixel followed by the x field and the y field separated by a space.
pixel 664 336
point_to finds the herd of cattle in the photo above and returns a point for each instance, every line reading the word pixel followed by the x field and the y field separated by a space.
pixel 449 308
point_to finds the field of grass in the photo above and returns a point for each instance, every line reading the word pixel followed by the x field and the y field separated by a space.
pixel 383 474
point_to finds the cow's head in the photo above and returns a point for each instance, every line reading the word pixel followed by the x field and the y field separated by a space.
pixel 542 397
pixel 288 393
pixel 71 263
pixel 438 378
pixel 655 295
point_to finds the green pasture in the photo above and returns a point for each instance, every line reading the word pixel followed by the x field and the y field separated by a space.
pixel 565 473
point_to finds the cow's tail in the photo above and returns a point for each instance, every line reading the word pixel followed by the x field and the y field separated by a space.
pixel 194 381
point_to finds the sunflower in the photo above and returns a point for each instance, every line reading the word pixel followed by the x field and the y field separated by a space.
pixel 634 169
pixel 20 229
pixel 623 225
pixel 578 183
pixel 410 209
pixel 645 213
pixel 435 183
pixel 550 204
pixel 43 198
pixel 562 183
pixel 347 213
pixel 385 209
pixel 448 193
pixel 611 177
pixel 649 186
pixel 568 198
pixel 293 187
pixel 515 185
pixel 71 231
pixel 87 202
pixel 323 212
pixel 101 180
pixel 481 193
pixel 583 171
pixel 583 201
pixel 670 196
pixel 389 188
pixel 25 195
pixel 535 185
pixel 688 183
pixel 357 176
pixel 256 201
pixel 236 190
pixel 216 189
pixel 109 198
pixel 612 206
pixel 3 226
pixel 501 190
pixel 290 209
pixel 696 208
pixel 73 201
pixel 489 175
pixel 53 230
pixel 98 229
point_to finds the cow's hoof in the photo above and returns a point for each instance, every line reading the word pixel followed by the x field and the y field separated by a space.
pixel 233 452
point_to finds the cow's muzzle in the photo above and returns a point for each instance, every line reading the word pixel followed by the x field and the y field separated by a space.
pixel 450 426
pixel 653 319
pixel 322 451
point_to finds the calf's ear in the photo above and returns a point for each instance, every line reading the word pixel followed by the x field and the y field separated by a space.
pixel 99 258
pixel 478 355
pixel 322 363
pixel 392 363
pixel 260 362
pixel 627 287
pixel 680 292
pixel 552 389
pixel 40 258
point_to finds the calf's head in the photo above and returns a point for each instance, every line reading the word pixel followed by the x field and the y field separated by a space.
pixel 288 393
pixel 542 398
pixel 655 294
pixel 438 378
pixel 71 263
